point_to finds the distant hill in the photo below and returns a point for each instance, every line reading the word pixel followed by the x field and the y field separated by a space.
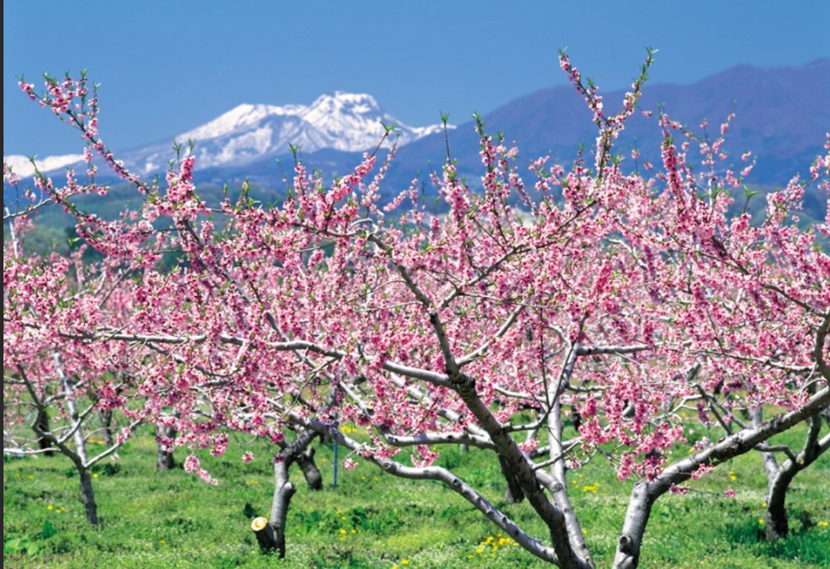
pixel 782 115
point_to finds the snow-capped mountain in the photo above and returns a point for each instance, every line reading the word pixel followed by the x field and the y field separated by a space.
pixel 348 122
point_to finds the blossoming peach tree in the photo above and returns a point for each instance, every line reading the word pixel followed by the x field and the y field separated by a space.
pixel 52 388
pixel 633 302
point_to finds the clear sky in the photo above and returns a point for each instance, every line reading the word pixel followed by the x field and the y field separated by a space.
pixel 168 66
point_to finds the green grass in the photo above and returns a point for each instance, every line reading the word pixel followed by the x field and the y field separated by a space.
pixel 174 520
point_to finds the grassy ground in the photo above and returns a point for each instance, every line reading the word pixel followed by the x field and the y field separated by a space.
pixel 173 520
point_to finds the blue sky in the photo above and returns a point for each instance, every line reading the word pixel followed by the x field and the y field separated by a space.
pixel 166 67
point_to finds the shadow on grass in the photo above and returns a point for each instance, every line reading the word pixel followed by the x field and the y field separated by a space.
pixel 806 542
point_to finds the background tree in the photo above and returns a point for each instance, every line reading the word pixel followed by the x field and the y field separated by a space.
pixel 51 387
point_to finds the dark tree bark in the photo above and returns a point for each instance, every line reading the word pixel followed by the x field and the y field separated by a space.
pixel 88 494
pixel 513 493
pixel 779 478
pixel 106 422
pixel 42 426
pixel 164 456
pixel 313 477
pixel 270 533
pixel 576 418
pixel 265 534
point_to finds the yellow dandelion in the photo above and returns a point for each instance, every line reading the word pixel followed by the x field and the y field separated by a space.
pixel 95 475
pixel 479 550
pixel 342 531
pixel 760 521
pixel 162 541
pixel 49 507
pixel 404 561
pixel 764 505
pixel 733 477
pixel 822 524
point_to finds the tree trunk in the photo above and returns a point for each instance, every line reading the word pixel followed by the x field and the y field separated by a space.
pixel 42 425
pixel 265 534
pixel 80 456
pixel 576 418
pixel 776 522
pixel 559 489
pixel 164 456
pixel 106 421
pixel 305 460
pixel 513 493
pixel 88 495
pixel 636 520
pixel 271 533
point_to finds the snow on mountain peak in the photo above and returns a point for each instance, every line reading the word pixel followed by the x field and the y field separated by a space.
pixel 343 102
pixel 348 122
pixel 237 119
pixel 324 109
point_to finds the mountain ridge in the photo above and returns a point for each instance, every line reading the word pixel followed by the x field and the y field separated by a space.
pixel 782 115
pixel 348 122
